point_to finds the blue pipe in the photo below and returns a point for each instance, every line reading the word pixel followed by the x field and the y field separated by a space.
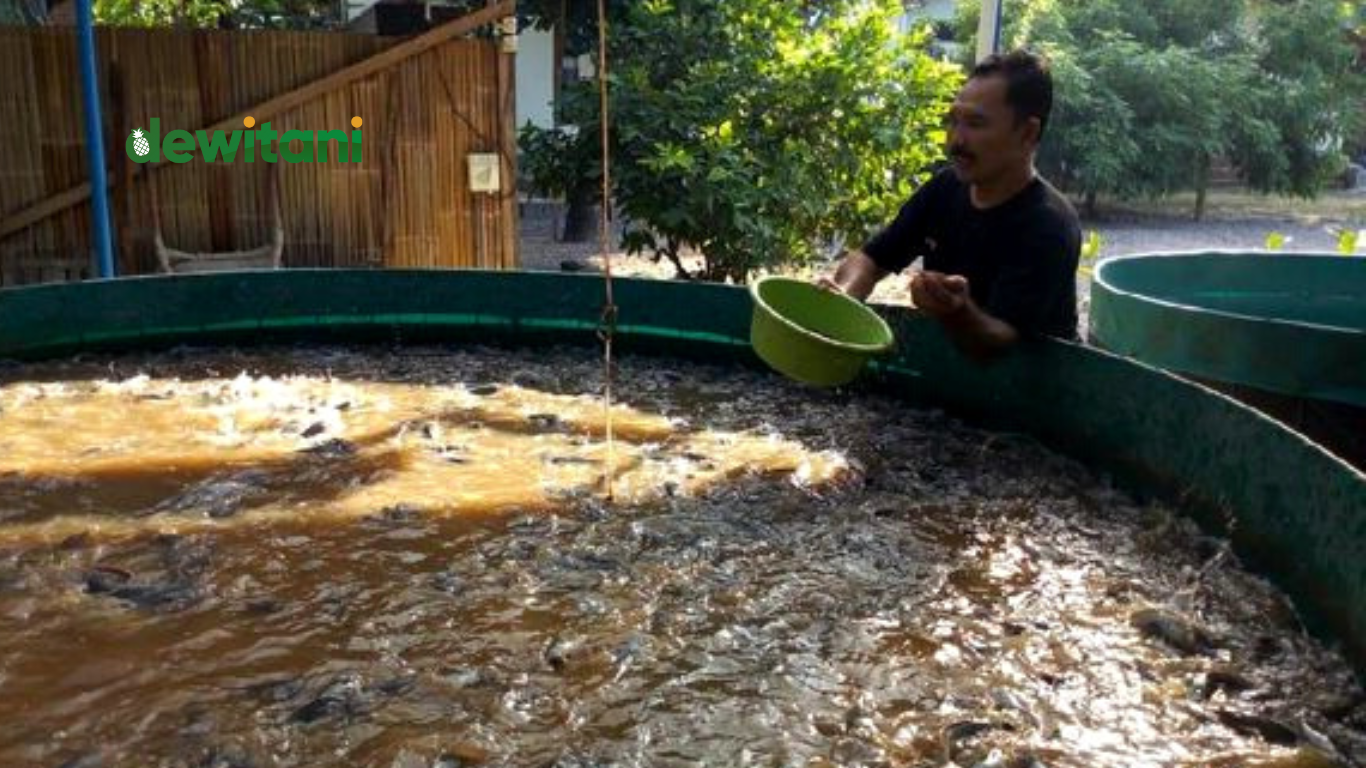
pixel 94 139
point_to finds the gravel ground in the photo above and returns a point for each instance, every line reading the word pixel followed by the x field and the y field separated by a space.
pixel 1121 232
pixel 1149 234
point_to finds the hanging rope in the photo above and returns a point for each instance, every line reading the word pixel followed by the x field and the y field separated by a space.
pixel 608 321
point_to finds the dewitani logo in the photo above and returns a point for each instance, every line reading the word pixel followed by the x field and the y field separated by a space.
pixel 227 146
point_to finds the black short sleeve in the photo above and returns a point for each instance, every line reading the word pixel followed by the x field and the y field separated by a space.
pixel 899 243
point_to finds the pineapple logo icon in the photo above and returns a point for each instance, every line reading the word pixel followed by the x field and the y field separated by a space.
pixel 144 146
pixel 140 145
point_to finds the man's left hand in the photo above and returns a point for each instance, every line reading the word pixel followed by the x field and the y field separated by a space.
pixel 939 295
pixel 946 299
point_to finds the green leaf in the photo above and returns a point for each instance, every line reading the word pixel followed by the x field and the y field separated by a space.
pixel 1347 241
pixel 1090 248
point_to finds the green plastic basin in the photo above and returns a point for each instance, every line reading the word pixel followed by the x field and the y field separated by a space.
pixel 812 335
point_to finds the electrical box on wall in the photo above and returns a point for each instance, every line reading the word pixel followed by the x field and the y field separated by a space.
pixel 484 172
pixel 507 29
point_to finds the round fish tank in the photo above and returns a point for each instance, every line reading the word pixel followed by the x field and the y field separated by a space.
pixel 1285 332
pixel 360 516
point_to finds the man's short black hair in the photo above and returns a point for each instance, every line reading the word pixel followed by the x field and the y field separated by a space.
pixel 1029 83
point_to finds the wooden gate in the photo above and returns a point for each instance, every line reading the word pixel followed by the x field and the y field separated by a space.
pixel 425 104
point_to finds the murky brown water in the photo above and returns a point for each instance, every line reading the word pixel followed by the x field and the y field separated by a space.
pixel 401 558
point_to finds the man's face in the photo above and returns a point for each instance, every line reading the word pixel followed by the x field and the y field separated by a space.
pixel 985 141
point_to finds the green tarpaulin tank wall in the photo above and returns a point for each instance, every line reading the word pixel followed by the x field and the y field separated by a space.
pixel 1301 512
pixel 1292 324
pixel 1285 333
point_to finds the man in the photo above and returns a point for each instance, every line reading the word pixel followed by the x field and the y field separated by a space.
pixel 1000 245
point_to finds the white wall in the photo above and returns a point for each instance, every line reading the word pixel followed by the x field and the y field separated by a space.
pixel 535 77
pixel 921 11
pixel 933 10
pixel 938 9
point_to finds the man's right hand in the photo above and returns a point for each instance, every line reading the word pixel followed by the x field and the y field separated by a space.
pixel 828 283
pixel 855 276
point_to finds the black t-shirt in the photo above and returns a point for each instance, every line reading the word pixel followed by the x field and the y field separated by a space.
pixel 1020 257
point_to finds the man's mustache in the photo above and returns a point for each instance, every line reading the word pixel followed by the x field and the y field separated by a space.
pixel 960 153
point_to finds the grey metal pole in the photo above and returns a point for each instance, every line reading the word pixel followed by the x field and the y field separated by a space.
pixel 989 29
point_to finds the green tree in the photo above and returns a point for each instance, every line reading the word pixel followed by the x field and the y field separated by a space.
pixel 1354 25
pixel 22 12
pixel 1311 88
pixel 756 132
pixel 1150 95
pixel 227 14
